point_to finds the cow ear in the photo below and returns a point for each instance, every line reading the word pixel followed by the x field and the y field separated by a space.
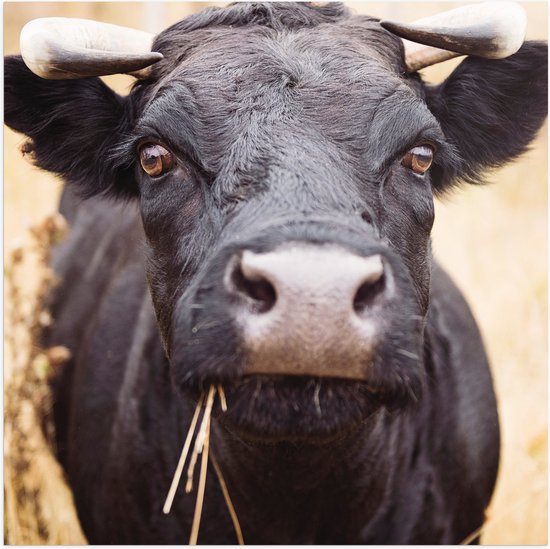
pixel 73 125
pixel 490 110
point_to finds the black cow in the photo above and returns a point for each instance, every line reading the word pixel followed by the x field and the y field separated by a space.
pixel 277 169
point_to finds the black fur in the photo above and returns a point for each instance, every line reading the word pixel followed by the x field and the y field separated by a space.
pixel 288 122
pixel 491 110
pixel 73 126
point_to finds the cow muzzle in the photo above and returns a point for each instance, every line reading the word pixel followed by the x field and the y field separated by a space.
pixel 308 310
pixel 303 301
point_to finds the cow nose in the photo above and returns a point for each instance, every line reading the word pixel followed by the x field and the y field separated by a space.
pixel 309 274
pixel 308 310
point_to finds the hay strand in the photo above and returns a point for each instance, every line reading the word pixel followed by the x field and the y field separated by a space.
pixel 223 400
pixel 191 471
pixel 183 457
pixel 199 442
pixel 477 532
pixel 202 480
pixel 228 502
pixel 201 446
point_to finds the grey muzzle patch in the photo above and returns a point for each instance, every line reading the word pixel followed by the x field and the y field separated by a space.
pixel 309 310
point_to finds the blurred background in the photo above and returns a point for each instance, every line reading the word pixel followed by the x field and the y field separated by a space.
pixel 492 240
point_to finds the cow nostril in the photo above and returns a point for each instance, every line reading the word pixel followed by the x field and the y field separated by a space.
pixel 254 287
pixel 368 293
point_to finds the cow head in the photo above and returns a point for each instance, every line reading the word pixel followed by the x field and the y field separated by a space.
pixel 285 160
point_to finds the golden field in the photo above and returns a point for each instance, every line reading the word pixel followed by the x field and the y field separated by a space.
pixel 493 241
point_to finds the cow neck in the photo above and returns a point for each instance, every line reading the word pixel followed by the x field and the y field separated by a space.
pixel 289 493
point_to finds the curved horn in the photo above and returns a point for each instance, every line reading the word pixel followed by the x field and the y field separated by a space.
pixel 57 48
pixel 492 30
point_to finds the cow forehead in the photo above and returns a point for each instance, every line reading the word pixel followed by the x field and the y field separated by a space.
pixel 345 54
pixel 263 80
pixel 329 77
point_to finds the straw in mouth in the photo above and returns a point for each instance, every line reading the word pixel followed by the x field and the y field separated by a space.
pixel 201 447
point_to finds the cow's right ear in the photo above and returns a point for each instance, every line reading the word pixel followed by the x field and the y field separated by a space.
pixel 73 126
pixel 490 110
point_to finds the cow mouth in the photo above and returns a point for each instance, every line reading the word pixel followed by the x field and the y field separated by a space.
pixel 312 410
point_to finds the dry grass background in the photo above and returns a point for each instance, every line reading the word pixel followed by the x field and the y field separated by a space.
pixel 493 241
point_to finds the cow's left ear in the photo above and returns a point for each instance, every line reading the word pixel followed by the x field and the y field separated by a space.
pixel 74 126
pixel 490 110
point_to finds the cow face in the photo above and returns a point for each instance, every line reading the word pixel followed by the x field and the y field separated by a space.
pixel 285 174
pixel 289 206
pixel 290 160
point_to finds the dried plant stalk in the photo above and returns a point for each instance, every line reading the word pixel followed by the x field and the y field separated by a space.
pixel 223 400
pixel 202 444
pixel 202 484
pixel 183 457
pixel 39 504
pixel 228 502
pixel 199 442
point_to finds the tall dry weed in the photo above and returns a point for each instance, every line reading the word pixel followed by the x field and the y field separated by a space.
pixel 39 507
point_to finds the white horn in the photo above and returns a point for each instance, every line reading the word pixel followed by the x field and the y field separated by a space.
pixel 493 30
pixel 58 48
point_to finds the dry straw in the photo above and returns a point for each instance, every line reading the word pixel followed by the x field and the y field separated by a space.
pixel 202 447
pixel 204 431
pixel 183 457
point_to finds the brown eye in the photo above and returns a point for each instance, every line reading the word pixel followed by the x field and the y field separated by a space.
pixel 419 159
pixel 155 160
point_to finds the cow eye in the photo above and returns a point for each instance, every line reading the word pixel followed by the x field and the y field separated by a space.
pixel 155 159
pixel 419 159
